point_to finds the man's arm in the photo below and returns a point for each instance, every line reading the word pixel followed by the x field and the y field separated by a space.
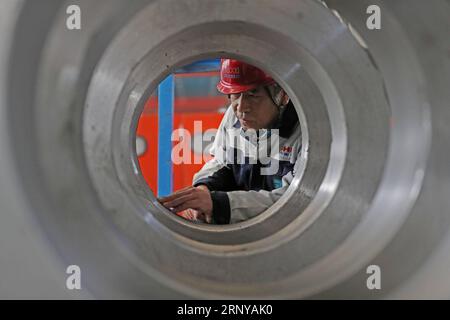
pixel 216 176
pixel 238 206
pixel 245 205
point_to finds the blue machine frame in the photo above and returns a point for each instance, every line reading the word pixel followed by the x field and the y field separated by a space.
pixel 166 100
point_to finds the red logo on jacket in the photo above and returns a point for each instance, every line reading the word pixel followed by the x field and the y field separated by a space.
pixel 286 149
pixel 285 152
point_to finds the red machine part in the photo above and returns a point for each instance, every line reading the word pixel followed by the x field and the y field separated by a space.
pixel 187 110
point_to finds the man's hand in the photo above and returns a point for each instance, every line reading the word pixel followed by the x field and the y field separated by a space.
pixel 196 198
pixel 192 215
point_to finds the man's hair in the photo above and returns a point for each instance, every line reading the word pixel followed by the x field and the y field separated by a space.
pixel 275 93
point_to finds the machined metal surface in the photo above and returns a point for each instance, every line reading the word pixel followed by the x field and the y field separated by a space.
pixel 372 186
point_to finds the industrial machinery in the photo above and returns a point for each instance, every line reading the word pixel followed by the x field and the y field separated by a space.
pixel 185 123
pixel 372 189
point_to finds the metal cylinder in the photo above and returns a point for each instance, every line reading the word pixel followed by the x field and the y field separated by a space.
pixel 371 187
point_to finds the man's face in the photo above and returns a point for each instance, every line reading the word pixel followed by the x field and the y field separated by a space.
pixel 254 108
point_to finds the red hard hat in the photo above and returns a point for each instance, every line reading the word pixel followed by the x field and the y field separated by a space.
pixel 237 76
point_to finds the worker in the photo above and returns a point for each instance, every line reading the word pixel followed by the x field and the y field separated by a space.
pixel 232 186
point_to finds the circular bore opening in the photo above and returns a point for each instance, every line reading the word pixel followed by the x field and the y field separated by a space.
pixel 258 146
pixel 323 114
pixel 321 127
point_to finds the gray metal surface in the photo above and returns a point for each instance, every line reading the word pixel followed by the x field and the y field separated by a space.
pixel 372 187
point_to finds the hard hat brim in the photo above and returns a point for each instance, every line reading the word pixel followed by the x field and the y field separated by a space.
pixel 240 88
